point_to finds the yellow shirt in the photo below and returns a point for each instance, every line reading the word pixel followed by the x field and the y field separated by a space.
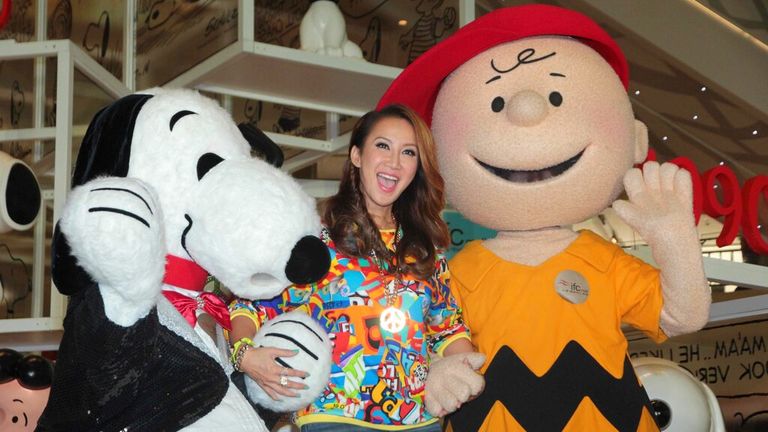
pixel 555 364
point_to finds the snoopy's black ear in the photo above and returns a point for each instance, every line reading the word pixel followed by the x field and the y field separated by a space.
pixel 106 147
pixel 261 143
pixel 69 277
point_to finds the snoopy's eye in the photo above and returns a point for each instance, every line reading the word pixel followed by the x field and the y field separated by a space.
pixel 497 104
pixel 555 98
pixel 206 162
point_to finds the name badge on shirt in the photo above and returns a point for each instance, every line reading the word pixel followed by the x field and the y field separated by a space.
pixel 572 286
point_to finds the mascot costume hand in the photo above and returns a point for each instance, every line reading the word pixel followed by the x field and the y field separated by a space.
pixel 534 133
pixel 166 192
pixel 451 381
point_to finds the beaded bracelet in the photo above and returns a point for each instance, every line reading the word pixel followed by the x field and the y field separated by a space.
pixel 238 352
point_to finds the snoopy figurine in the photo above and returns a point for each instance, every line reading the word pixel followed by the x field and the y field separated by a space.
pixel 679 400
pixel 165 193
pixel 323 31
pixel 20 198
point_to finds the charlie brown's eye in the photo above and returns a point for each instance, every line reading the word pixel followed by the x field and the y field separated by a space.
pixel 555 98
pixel 497 104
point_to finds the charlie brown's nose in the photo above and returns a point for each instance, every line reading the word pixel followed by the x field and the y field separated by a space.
pixel 527 108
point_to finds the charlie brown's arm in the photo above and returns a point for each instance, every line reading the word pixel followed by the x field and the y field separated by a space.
pixel 660 209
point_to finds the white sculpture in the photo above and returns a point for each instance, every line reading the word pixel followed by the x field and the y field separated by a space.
pixel 682 403
pixel 324 31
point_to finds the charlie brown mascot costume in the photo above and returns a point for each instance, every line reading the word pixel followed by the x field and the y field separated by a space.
pixel 535 132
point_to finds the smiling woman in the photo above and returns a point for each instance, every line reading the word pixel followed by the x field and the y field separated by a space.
pixel 391 178
pixel 385 300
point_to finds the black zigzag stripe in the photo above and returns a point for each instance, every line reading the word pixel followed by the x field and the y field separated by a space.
pixel 548 403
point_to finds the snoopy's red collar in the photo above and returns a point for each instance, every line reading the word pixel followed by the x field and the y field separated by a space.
pixel 184 273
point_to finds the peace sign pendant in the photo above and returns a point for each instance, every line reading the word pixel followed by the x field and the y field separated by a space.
pixel 392 320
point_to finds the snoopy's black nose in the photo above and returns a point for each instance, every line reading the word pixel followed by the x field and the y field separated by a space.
pixel 309 261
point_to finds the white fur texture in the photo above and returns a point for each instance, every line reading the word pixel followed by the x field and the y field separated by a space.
pixel 247 218
pixel 124 256
pixel 318 369
pixel 240 222
pixel 245 214
pixel 323 30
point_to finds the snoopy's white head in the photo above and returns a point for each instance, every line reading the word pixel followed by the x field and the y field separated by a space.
pixel 241 219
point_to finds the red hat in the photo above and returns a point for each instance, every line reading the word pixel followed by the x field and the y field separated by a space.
pixel 418 84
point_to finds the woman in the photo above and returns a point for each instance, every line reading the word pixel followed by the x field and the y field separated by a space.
pixel 384 233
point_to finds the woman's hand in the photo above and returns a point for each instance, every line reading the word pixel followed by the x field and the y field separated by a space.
pixel 261 366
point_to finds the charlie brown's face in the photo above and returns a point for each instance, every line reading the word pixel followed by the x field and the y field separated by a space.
pixel 535 133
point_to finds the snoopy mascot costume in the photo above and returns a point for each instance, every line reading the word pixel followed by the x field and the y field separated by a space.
pixel 165 192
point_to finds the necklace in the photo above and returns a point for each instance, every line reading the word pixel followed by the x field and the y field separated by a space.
pixel 391 318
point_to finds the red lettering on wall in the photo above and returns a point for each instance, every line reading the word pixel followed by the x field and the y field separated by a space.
pixel 753 188
pixel 730 208
pixel 739 206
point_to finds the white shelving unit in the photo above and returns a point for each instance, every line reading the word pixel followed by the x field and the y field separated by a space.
pixel 41 332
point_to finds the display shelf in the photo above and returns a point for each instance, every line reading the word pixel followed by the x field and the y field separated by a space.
pixel 31 334
pixel 726 272
pixel 270 73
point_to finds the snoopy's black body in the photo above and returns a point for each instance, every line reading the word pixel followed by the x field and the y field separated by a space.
pixel 179 383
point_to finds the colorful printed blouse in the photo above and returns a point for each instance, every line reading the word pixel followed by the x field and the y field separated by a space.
pixel 377 377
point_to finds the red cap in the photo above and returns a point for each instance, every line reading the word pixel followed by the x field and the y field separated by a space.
pixel 418 84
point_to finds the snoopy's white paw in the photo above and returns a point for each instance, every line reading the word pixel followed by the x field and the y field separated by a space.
pixel 295 331
pixel 114 227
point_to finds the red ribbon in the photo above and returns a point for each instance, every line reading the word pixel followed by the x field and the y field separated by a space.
pixel 183 273
pixel 209 302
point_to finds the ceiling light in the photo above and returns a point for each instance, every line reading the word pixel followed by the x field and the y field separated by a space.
pixel 703 89
pixel 402 23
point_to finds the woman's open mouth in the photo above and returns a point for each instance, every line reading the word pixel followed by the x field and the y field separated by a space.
pixel 520 176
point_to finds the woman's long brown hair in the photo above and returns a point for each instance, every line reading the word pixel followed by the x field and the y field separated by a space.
pixel 417 209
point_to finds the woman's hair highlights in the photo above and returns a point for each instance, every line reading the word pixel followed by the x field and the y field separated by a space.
pixel 417 210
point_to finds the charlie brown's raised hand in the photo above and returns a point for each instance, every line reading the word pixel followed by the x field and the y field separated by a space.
pixel 660 202
pixel 660 209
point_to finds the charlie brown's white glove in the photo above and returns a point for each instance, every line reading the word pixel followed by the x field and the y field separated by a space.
pixel 453 380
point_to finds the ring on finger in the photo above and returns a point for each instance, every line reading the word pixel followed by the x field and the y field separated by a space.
pixel 283 380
